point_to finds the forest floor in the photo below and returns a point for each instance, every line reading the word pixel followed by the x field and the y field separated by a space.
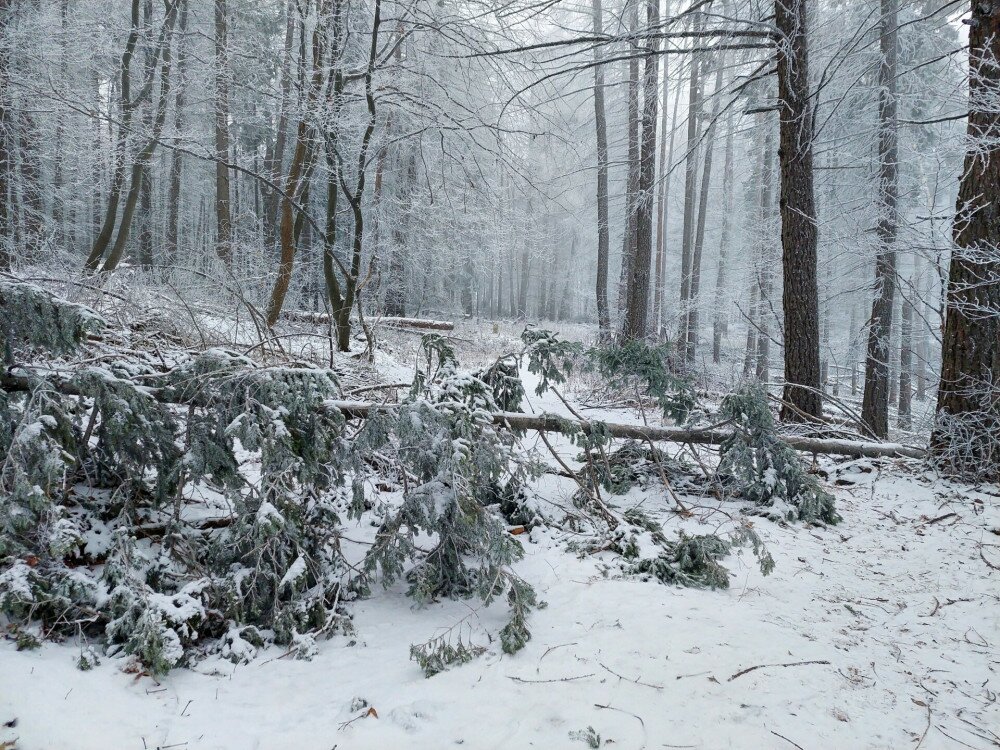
pixel 881 632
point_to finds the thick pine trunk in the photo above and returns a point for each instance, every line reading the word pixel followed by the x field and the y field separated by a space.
pixel 800 299
pixel 5 151
pixel 637 312
pixel 632 180
pixel 971 342
pixel 875 404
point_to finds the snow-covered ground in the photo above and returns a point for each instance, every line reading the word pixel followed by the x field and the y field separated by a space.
pixel 883 632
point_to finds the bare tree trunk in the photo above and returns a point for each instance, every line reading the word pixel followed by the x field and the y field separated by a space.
pixel 800 300
pixel 118 169
pixel 666 175
pixel 922 334
pixel 690 193
pixel 905 364
pixel 6 165
pixel 276 156
pixel 141 163
pixel 522 288
pixel 395 296
pixel 720 321
pixel 632 179
pixel 342 305
pixel 766 279
pixel 693 325
pixel 637 311
pixel 297 186
pixel 58 218
pixel 852 355
pixel 145 218
pixel 223 212
pixel 661 240
pixel 176 159
pixel 750 355
pixel 603 228
pixel 875 405
pixel 970 351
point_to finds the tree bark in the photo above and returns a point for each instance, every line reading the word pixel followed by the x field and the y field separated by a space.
pixel 875 404
pixel 632 178
pixel 6 165
pixel 276 156
pixel 118 169
pixel 603 227
pixel 553 423
pixel 693 323
pixel 637 312
pixel 690 194
pixel 140 166
pixel 766 275
pixel 720 321
pixel 905 364
pixel 176 158
pixel 223 211
pixel 800 299
pixel 971 341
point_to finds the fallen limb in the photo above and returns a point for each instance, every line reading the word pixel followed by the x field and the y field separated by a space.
pixel 317 318
pixel 553 423
pixel 787 664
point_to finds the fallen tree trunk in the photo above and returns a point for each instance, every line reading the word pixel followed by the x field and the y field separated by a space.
pixel 553 423
pixel 317 318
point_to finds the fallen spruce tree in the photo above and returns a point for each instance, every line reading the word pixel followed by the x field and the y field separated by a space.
pixel 180 504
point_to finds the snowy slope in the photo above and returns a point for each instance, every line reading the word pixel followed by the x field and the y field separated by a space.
pixel 895 613
pixel 905 612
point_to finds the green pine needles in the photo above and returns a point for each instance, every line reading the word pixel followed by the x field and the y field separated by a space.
pixel 763 469
pixel 177 509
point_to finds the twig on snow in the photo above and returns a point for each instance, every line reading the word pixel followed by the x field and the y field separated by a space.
pixel 788 664
pixel 637 681
pixel 558 679
pixel 787 740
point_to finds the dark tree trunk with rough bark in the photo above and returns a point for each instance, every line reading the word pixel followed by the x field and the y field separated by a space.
pixel 875 404
pixel 5 151
pixel 637 311
pixel 971 342
pixel 223 210
pixel 632 179
pixel 603 228
pixel 800 300
pixel 176 158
